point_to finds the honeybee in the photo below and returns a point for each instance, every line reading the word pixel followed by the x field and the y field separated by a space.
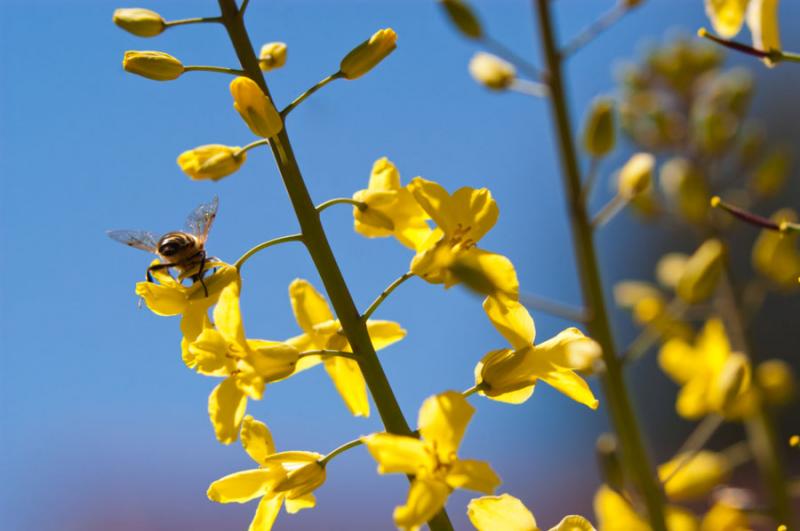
pixel 184 250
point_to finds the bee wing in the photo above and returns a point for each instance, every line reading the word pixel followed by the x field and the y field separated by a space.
pixel 146 241
pixel 200 220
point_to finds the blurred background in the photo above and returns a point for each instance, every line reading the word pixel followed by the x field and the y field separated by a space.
pixel 101 424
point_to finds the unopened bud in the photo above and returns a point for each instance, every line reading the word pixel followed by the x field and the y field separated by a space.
pixel 732 383
pixel 775 254
pixel 703 270
pixel 599 135
pixel 670 268
pixel 491 71
pixel 636 175
pixel 686 188
pixel 368 54
pixel 693 477
pixel 212 161
pixel 463 18
pixel 138 21
pixel 272 56
pixel 770 176
pixel 158 66
pixel 776 381
pixel 255 108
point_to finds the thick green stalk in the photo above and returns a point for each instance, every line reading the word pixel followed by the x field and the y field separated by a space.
pixel 623 419
pixel 316 241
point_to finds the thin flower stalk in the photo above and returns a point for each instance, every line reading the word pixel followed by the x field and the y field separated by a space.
pixel 305 95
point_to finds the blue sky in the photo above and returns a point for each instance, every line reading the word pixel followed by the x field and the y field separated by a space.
pixel 102 425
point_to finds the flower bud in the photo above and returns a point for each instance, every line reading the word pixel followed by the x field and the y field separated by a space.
pixel 636 175
pixel 686 188
pixel 302 480
pixel 463 18
pixel 726 17
pixel 732 383
pixel 255 108
pixel 491 71
pixel 695 478
pixel 762 19
pixel 272 56
pixel 703 269
pixel 775 254
pixel 770 176
pixel 212 161
pixel 776 381
pixel 158 66
pixel 628 293
pixel 599 135
pixel 140 22
pixel 670 268
pixel 368 54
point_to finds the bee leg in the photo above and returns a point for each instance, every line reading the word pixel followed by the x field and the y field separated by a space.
pixel 156 267
pixel 200 274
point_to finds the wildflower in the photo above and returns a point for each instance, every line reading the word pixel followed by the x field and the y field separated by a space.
pixel 762 20
pixel 712 377
pixel 615 513
pixel 390 208
pixel 776 381
pixel 490 513
pixel 432 459
pixel 727 16
pixel 272 56
pixel 491 71
pixel 255 108
pixel 636 176
pixel 212 161
pixel 775 254
pixel 463 17
pixel 281 479
pixel 368 54
pixel 140 22
pixel 599 135
pixel 695 478
pixel 702 272
pixel 158 66
pixel 725 517
pixel 684 186
pixel 322 332
pixel 510 375
pixel 670 268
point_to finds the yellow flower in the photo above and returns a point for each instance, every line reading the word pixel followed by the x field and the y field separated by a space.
pixel 670 268
pixel 368 54
pixel 158 66
pixel 507 513
pixel 695 478
pixel 636 176
pixel 712 377
pixel 725 517
pixel 614 513
pixel 322 332
pixel 776 381
pixel 282 479
pixel 272 56
pixel 702 272
pixel 140 22
pixel 246 364
pixel 727 16
pixel 432 459
pixel 255 108
pixel 775 254
pixel 599 135
pixel 390 208
pixel 491 71
pixel 212 161
pixel 510 375
pixel 762 19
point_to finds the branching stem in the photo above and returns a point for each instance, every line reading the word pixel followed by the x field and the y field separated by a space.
pixel 261 246
pixel 384 294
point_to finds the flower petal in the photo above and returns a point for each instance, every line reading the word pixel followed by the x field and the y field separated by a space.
pixel 398 453
pixel 349 381
pixel 435 201
pixel 693 479
pixel 679 360
pixel 308 305
pixel 486 273
pixel 272 360
pixel 572 385
pixel 475 210
pixel 384 333
pixel 504 512
pixel 163 300
pixel 267 512
pixel 295 505
pixel 473 475
pixel 692 402
pixel 426 497
pixel 727 16
pixel 226 407
pixel 241 487
pixel 443 418
pixel 257 439
pixel 511 319
pixel 208 354
pixel 228 318
pixel 573 523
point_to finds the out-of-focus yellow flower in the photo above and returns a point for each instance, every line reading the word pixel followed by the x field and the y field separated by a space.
pixel 140 22
pixel 390 210
pixel 599 135
pixel 794 441
pixel 510 375
pixel 770 175
pixel 762 19
pixel 158 66
pixel 368 54
pixel 281 479
pixel 684 186
pixel 702 272
pixel 775 254
pixel 212 161
pixel 712 377
pixel 505 512
pixel 776 381
pixel 614 513
pixel 670 268
pixel 695 478
pixel 432 459
pixel 255 108
pixel 724 517
pixel 246 364
pixel 491 71
pixel 322 332
pixel 727 16
pixel 463 18
pixel 649 306
pixel 272 56
pixel 636 175
pixel 628 293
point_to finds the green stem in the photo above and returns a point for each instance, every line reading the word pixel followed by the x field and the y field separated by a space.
pixel 341 449
pixel 385 293
pixel 195 20
pixel 558 309
pixel 326 352
pixel 608 19
pixel 651 333
pixel 261 246
pixel 471 391
pixel 341 201
pixel 251 145
pixel 218 69
pixel 302 97
pixel 503 51
pixel 624 421
pixel 321 254
pixel 609 210
pixel 695 443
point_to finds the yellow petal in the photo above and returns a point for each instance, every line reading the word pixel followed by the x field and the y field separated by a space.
pixel 248 381
pixel 271 360
pixel 614 513
pixel 696 477
pixel 692 400
pixel 572 385
pixel 680 519
pixel 212 161
pixel 713 344
pixel 163 300
pixel 511 319
pixel 486 273
pixel 724 517
pixel 669 269
pixel 762 19
pixel 226 406
pixel 570 349
pixel 436 202
pixel 426 497
pixel 679 360
pixel 255 108
pixel 384 333
pixel 504 512
pixel 629 292
pixel 208 354
pixel 443 418
pixel 573 523
pixel 727 16
pixel 473 475
pixel 476 211
pixel 349 381
pixel 257 439
pixel 295 505
pixel 302 480
pixel 308 305
pixel 398 453
pixel 504 371
pixel 228 318
pixel 266 513
pixel 241 487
